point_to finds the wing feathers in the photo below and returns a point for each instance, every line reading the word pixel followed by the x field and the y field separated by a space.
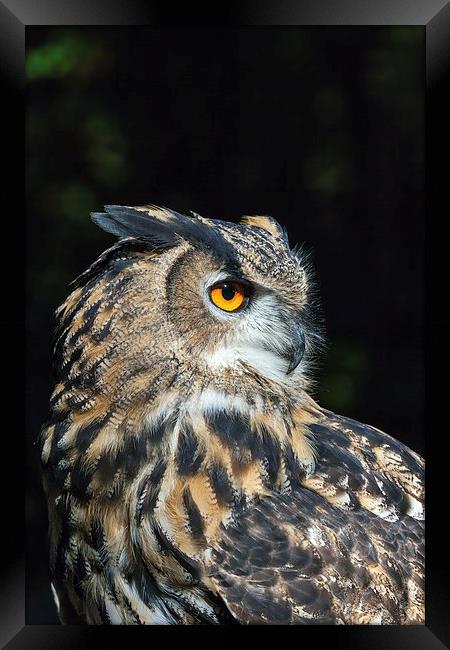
pixel 314 557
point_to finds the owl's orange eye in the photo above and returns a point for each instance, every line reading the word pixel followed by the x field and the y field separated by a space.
pixel 229 296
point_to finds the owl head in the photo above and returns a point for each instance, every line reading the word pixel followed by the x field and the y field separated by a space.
pixel 188 297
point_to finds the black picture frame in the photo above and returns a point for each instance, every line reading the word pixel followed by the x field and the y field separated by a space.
pixel 434 16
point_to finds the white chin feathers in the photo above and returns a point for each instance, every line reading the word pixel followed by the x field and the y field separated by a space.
pixel 266 363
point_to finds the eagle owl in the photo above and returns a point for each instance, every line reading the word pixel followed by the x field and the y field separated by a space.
pixel 190 477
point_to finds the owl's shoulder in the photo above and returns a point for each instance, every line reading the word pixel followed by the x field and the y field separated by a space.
pixel 359 465
pixel 345 545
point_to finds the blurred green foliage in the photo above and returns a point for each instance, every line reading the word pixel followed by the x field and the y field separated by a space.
pixel 67 53
pixel 105 149
pixel 91 152
pixel 54 59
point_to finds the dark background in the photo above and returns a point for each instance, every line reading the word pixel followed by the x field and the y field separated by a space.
pixel 323 128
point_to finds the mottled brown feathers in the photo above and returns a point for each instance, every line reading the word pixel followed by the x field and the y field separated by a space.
pixel 345 547
pixel 190 479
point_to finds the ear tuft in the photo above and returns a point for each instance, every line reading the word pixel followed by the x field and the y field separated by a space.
pixel 267 223
pixel 160 226
pixel 149 222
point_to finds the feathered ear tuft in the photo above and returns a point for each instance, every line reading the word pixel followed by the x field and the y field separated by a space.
pixel 267 223
pixel 161 226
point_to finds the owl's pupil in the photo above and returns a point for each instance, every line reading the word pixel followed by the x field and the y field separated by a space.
pixel 228 292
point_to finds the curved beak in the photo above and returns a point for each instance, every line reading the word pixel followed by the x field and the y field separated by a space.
pixel 297 352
